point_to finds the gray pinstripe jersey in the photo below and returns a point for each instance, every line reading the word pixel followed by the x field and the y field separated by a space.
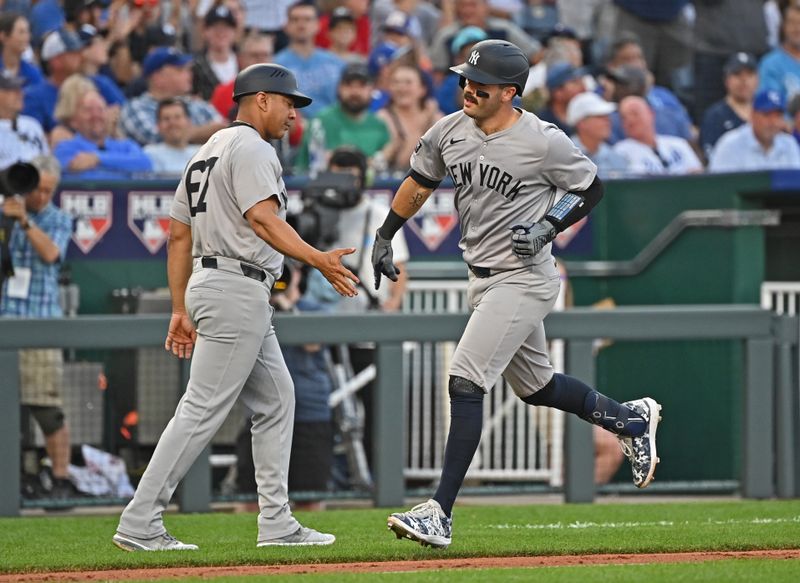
pixel 232 172
pixel 501 179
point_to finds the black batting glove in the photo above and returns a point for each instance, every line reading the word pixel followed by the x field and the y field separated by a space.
pixel 382 260
pixel 530 238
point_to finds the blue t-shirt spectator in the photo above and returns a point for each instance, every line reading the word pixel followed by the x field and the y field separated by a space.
pixel 40 101
pixel 779 71
pixel 28 71
pixel 318 75
pixel 117 159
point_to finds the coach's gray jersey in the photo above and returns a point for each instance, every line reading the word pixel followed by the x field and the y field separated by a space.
pixel 233 171
pixel 502 179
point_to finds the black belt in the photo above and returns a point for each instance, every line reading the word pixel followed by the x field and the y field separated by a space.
pixel 481 272
pixel 247 270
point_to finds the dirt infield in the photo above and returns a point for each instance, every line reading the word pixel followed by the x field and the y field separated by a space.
pixel 394 566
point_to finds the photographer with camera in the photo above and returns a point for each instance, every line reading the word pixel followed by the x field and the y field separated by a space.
pixel 356 220
pixel 37 247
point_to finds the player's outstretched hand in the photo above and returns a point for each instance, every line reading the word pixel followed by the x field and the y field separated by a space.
pixel 530 238
pixel 181 335
pixel 383 260
pixel 342 279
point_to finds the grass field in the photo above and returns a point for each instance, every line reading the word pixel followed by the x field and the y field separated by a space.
pixel 42 544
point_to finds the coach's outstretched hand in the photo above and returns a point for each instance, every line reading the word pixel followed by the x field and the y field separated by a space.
pixel 342 279
pixel 530 238
pixel 383 260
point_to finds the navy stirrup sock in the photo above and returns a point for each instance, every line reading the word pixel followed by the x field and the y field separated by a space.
pixel 466 422
pixel 573 396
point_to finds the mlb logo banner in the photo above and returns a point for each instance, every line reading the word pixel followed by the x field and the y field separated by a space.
pixel 92 213
pixel 148 217
pixel 435 220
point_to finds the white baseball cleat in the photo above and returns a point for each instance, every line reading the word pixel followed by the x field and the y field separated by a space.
pixel 425 523
pixel 163 542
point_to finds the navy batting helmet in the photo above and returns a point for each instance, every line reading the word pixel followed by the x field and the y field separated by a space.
pixel 269 78
pixel 495 62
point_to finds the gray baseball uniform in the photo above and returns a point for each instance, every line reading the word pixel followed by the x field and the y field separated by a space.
pixel 237 352
pixel 502 179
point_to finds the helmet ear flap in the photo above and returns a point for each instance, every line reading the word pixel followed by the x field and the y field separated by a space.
pixel 462 81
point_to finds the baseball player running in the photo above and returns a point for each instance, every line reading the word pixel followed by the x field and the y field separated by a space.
pixel 518 183
pixel 228 237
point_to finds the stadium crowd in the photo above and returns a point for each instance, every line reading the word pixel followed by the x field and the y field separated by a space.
pixel 128 88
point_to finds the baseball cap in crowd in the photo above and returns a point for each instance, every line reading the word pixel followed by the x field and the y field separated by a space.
pixel 9 81
pixel 768 100
pixel 163 56
pixel 587 104
pixel 560 73
pixel 560 31
pixel 87 33
pixel 633 78
pixel 398 22
pixel 220 14
pixel 341 14
pixel 469 35
pixel 355 72
pixel 59 42
pixel 383 54
pixel 739 62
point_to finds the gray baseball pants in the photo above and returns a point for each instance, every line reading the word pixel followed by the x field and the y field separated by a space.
pixel 236 354
pixel 505 333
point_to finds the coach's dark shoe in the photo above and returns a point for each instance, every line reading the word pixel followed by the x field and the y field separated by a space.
pixel 641 451
pixel 163 542
pixel 302 537
pixel 426 524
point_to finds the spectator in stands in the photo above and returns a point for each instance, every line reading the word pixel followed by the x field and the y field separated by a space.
pixel 424 17
pixel 779 70
pixel 342 33
pixel 723 28
pixel 168 75
pixel 561 46
pixel 21 137
pixel 741 82
pixel 95 56
pixel 317 70
pixel 15 41
pixel 363 41
pixel 538 17
pixel 217 63
pixel 449 94
pixel 268 18
pixel 61 52
pixel 476 13
pixel 121 68
pixel 564 82
pixel 70 94
pixel 760 144
pixel 410 112
pixel 626 68
pixel 648 152
pixel 590 115
pixel 174 152
pixel 664 31
pixel 38 247
pixel 92 154
pixel 347 122
pixel 256 48
pixel 145 29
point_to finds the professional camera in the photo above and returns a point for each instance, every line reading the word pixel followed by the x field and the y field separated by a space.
pixel 323 197
pixel 20 178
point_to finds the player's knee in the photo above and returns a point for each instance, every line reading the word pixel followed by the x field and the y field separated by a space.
pixel 544 396
pixel 460 388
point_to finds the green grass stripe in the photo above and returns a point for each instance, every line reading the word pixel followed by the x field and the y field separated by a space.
pixel 39 544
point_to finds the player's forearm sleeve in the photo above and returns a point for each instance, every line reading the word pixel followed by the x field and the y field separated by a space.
pixel 573 206
pixel 391 225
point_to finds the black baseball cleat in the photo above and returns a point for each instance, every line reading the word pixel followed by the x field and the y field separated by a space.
pixel 641 450
pixel 425 523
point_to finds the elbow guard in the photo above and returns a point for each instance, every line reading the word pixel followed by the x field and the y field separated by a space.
pixel 573 206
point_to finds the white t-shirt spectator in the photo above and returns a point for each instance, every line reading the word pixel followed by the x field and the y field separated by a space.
pixel 672 155
pixel 21 140
pixel 739 151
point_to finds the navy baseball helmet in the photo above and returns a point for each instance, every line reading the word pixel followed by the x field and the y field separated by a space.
pixel 269 78
pixel 495 62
